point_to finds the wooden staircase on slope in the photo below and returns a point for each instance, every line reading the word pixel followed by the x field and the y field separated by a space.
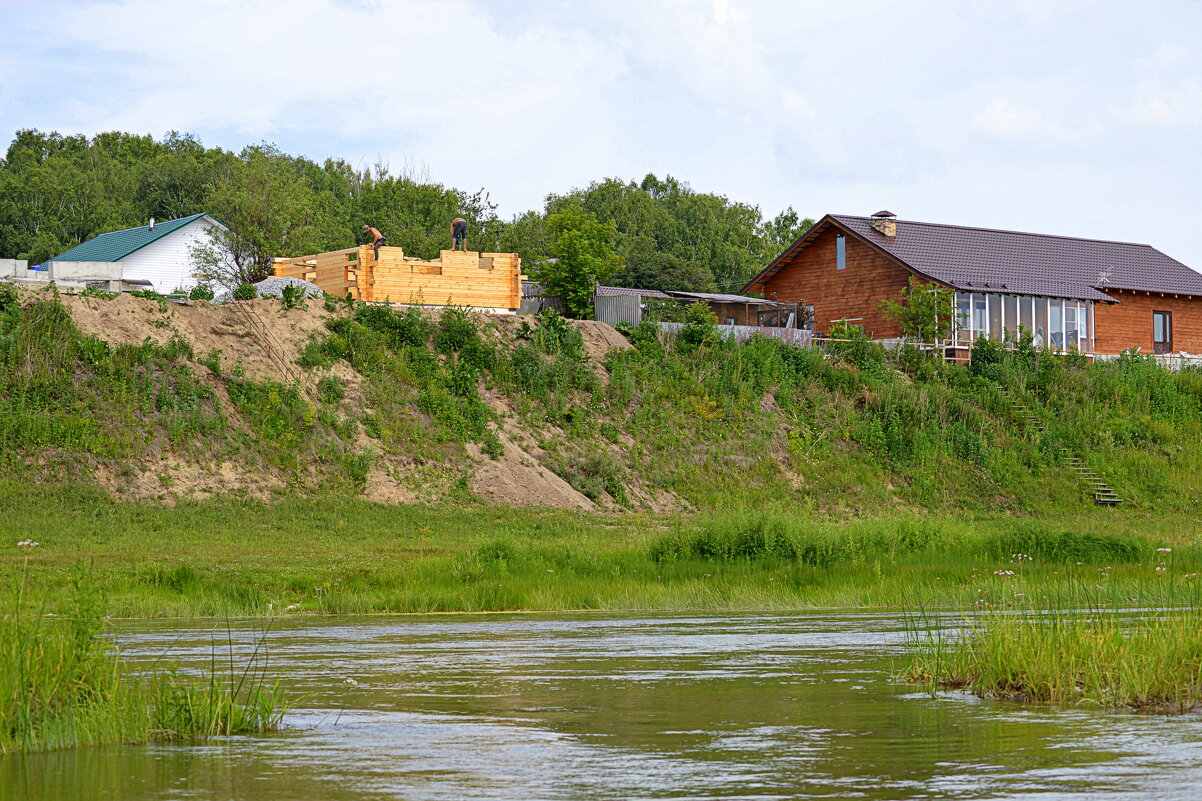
pixel 1103 493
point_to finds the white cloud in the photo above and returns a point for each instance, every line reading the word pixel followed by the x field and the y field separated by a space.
pixel 1017 122
pixel 1168 93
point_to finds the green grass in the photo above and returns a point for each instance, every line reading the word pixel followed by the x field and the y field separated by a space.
pixel 62 685
pixel 1150 661
pixel 332 555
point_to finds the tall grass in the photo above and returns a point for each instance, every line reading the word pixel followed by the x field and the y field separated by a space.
pixel 62 685
pixel 1145 661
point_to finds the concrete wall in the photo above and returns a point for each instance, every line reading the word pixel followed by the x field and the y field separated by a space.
pixel 13 268
pixel 85 270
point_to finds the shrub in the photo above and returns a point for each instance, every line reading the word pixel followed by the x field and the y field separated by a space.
pixel 292 297
pixel 330 389
pixel 700 327
pixel 455 330
pixel 245 292
pixel 201 292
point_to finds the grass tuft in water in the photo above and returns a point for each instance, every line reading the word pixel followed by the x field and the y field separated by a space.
pixel 1147 661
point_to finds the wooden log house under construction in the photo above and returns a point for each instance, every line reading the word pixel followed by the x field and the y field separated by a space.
pixel 484 281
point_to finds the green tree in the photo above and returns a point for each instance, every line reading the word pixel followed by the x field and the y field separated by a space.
pixel 583 255
pixel 270 210
pixel 923 311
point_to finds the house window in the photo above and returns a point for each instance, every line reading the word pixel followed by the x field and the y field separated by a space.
pixel 963 317
pixel 1056 323
pixel 978 315
pixel 1162 332
pixel 840 252
pixel 995 316
pixel 1026 314
pixel 1010 316
pixel 1041 323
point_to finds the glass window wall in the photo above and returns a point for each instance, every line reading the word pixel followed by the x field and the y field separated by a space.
pixel 995 316
pixel 1010 316
pixel 963 317
pixel 1041 323
pixel 1056 323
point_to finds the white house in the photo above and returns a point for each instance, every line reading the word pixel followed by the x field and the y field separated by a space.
pixel 160 253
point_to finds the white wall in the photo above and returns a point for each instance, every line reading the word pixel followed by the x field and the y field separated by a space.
pixel 167 262
pixel 13 268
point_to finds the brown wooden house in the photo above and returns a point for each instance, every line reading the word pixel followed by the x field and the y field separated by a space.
pixel 1090 295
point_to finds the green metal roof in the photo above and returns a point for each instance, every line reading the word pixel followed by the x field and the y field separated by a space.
pixel 116 245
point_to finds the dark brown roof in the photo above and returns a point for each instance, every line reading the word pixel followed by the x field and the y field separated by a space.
pixel 988 260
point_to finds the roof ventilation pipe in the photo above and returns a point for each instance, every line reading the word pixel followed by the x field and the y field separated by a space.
pixel 152 223
pixel 885 222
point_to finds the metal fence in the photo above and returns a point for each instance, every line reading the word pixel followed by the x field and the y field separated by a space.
pixel 1169 361
pixel 614 309
pixel 742 333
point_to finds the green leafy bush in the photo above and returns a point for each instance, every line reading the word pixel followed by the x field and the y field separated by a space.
pixel 330 389
pixel 245 291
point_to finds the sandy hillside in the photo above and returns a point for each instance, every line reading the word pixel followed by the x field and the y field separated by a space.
pixel 266 339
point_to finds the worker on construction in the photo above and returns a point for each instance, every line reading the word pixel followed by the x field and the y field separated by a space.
pixel 377 239
pixel 459 233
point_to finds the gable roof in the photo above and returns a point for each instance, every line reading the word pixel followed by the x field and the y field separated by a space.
pixel 116 245
pixel 1012 262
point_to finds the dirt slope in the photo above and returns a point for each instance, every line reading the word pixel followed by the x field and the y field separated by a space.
pixel 265 340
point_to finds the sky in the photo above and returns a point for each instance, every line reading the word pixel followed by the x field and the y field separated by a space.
pixel 1074 117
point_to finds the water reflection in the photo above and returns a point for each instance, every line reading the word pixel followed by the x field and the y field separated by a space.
pixel 575 707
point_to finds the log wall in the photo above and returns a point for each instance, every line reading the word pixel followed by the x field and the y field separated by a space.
pixel 479 280
pixel 812 278
pixel 1128 323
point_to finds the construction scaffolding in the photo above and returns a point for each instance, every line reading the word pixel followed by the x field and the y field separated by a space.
pixel 487 281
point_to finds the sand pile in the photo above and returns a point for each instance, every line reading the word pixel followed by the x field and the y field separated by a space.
pixel 265 336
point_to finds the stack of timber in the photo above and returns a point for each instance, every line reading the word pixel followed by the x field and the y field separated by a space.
pixel 336 272
pixel 478 280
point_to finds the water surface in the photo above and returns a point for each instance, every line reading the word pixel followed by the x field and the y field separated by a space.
pixel 634 707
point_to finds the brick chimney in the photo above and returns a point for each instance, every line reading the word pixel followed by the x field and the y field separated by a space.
pixel 885 222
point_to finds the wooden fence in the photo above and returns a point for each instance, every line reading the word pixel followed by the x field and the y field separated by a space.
pixel 478 280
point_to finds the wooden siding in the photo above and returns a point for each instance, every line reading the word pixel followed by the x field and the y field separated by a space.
pixel 811 278
pixel 478 280
pixel 1128 323
pixel 167 261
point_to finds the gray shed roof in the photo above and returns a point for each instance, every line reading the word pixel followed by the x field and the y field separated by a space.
pixel 1013 262
pixel 719 298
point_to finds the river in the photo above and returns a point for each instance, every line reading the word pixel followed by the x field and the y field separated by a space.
pixel 531 707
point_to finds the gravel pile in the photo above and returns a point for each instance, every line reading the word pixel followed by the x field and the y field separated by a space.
pixel 274 288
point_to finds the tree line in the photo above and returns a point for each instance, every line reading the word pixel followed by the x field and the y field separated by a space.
pixel 57 191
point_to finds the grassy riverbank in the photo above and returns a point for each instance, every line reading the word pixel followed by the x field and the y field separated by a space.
pixel 1148 661
pixel 336 555
pixel 62 685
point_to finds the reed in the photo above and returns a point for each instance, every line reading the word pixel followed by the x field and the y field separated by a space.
pixel 62 685
pixel 1098 657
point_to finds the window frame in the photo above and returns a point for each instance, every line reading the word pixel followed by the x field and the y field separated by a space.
pixel 1166 344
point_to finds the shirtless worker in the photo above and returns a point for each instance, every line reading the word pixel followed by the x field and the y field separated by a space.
pixel 377 238
pixel 459 233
